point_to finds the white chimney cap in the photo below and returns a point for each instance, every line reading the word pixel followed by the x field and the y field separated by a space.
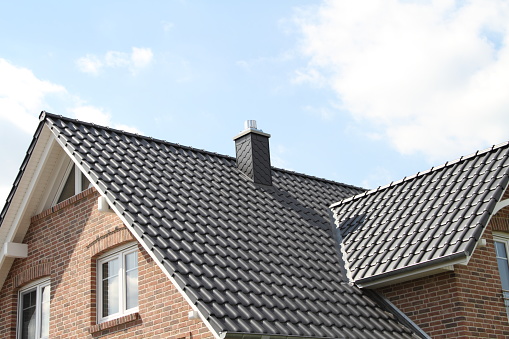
pixel 250 124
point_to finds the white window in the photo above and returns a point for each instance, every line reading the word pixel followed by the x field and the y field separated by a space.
pixel 117 283
pixel 73 183
pixel 33 311
pixel 502 250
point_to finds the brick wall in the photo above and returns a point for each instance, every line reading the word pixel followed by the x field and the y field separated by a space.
pixel 64 243
pixel 466 303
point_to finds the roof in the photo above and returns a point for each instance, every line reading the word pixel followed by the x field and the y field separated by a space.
pixel 251 258
pixel 433 217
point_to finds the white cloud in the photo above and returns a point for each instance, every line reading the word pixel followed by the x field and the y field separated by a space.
pixel 89 64
pixel 22 97
pixel 141 57
pixel 431 76
pixel 138 59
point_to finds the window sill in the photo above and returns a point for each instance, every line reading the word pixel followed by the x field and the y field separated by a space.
pixel 115 322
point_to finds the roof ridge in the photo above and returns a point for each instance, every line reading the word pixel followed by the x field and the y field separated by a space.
pixel 141 136
pixel 309 176
pixel 45 114
pixel 421 173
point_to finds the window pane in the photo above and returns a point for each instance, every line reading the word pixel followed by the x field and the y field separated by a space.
pixel 132 289
pixel 500 247
pixel 45 299
pixel 110 269
pixel 503 269
pixel 84 182
pixel 131 261
pixel 28 315
pixel 110 296
pixel 68 190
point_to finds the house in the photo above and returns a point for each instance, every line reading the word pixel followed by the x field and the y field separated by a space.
pixel 115 235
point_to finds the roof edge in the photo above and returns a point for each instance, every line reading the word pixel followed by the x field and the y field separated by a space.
pixel 411 272
pixel 398 314
pixel 419 174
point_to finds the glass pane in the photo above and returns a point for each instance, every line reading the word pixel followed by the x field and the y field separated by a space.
pixel 45 303
pixel 28 316
pixel 110 296
pixel 500 247
pixel 110 287
pixel 84 182
pixel 110 269
pixel 131 261
pixel 132 288
pixel 68 190
pixel 503 269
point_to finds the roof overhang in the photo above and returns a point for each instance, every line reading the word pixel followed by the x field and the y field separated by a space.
pixel 26 194
pixel 411 273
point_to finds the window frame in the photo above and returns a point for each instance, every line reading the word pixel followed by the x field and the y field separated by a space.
pixel 37 286
pixel 504 239
pixel 118 253
pixel 78 181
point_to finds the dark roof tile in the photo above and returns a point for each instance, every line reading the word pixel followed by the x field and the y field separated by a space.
pixel 434 214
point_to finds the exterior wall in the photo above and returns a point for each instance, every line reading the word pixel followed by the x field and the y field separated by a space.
pixel 64 243
pixel 466 303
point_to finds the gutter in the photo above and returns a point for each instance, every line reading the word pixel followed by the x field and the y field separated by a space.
pixel 441 263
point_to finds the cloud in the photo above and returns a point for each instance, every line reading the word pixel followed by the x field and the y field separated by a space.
pixel 430 76
pixel 89 64
pixel 138 59
pixel 22 97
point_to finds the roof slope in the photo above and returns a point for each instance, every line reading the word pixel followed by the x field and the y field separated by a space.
pixel 432 217
pixel 253 259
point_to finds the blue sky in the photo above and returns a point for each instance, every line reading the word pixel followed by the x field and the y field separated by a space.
pixel 358 93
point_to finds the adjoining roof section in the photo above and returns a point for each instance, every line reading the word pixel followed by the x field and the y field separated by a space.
pixel 253 259
pixel 432 218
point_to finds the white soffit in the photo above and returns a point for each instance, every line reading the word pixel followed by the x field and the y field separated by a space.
pixel 27 197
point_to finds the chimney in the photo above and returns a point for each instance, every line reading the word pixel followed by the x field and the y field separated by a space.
pixel 253 155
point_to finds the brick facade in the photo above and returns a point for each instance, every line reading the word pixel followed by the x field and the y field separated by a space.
pixel 466 303
pixel 64 243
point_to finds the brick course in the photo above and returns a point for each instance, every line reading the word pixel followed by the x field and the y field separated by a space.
pixel 466 303
pixel 64 243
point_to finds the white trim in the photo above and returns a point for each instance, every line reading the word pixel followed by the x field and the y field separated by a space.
pixel 46 201
pixel 119 253
pixel 37 286
pixel 29 191
pixel 414 274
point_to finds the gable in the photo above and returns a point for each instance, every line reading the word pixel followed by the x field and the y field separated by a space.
pixel 423 223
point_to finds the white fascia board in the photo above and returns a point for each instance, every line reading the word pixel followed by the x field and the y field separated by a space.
pixel 23 199
pixel 139 239
pixel 419 273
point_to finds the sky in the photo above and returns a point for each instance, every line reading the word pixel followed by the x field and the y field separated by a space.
pixel 363 93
